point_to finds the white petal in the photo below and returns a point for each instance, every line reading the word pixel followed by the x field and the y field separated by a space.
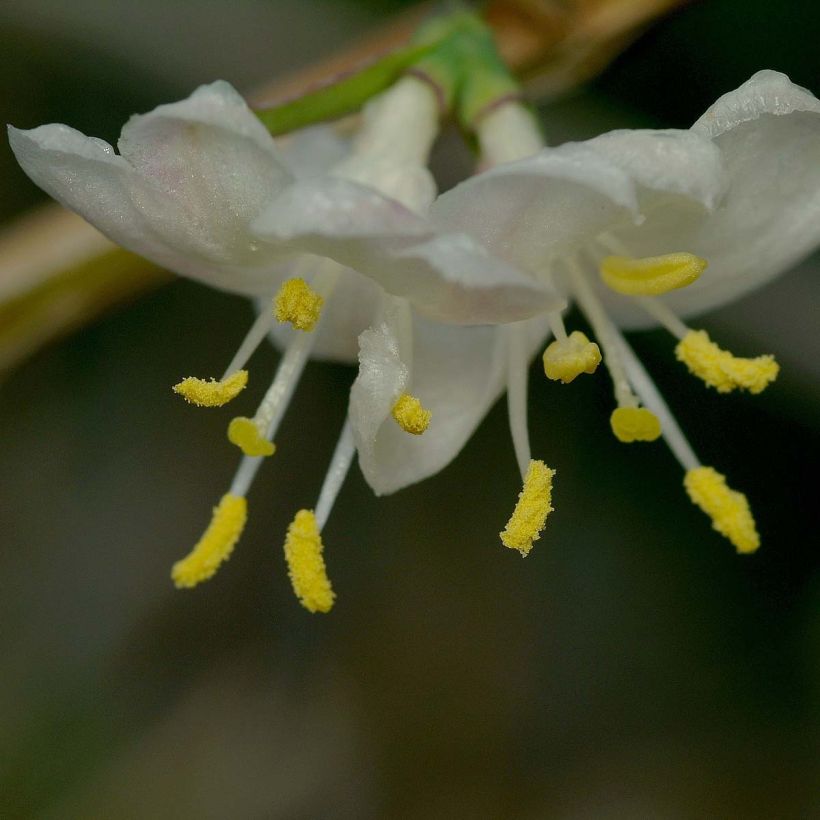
pixel 768 132
pixel 536 209
pixel 667 161
pixel 458 374
pixel 766 92
pixel 313 151
pixel 449 276
pixel 190 178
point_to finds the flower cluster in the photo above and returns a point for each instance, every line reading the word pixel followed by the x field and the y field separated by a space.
pixel 444 300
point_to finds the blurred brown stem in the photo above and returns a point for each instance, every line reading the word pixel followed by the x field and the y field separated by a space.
pixel 58 273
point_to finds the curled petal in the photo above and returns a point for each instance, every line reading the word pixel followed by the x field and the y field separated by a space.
pixel 536 209
pixel 458 373
pixel 768 134
pixel 189 178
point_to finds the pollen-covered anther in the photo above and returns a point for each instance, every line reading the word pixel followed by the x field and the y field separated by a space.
pixel 566 359
pixel 410 415
pixel 298 304
pixel 216 544
pixel 728 509
pixel 244 433
pixel 720 369
pixel 634 424
pixel 210 392
pixel 306 566
pixel 530 514
pixel 651 275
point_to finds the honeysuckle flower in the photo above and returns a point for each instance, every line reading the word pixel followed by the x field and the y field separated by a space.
pixel 638 226
pixel 188 180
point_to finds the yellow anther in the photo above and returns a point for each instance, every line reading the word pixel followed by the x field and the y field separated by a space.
pixel 298 304
pixel 212 393
pixel 410 415
pixel 216 544
pixel 634 424
pixel 306 567
pixel 244 433
pixel 720 369
pixel 652 275
pixel 531 511
pixel 728 509
pixel 564 360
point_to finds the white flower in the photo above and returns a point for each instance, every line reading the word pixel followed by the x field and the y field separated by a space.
pixel 188 181
pixel 740 190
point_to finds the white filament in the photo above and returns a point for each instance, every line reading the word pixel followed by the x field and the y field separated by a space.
pixel 517 372
pixel 606 333
pixel 275 402
pixel 336 474
pixel 259 330
pixel 664 315
pixel 651 397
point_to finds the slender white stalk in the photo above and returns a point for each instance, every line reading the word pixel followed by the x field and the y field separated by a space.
pixel 664 315
pixel 259 330
pixel 605 332
pixel 517 372
pixel 273 406
pixel 336 474
pixel 652 398
pixel 306 265
pixel 556 323
pixel 275 402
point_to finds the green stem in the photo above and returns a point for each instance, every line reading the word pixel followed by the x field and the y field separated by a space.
pixel 343 96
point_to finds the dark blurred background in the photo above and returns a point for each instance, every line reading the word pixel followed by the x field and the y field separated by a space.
pixel 632 667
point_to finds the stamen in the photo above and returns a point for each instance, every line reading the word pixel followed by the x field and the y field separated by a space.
pixel 212 393
pixel 652 275
pixel 716 367
pixel 272 408
pixel 556 323
pixel 298 304
pixel 517 372
pixel 216 544
pixel 245 434
pixel 410 415
pixel 336 474
pixel 720 369
pixel 530 514
pixel 306 566
pixel 303 543
pixel 652 398
pixel 567 359
pixel 635 424
pixel 255 336
pixel 728 509
pixel 629 421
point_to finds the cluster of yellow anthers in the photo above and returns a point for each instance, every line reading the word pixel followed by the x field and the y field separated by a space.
pixel 570 355
pixel 298 304
pixel 564 360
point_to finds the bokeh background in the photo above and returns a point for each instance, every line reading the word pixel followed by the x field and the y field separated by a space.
pixel 632 667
